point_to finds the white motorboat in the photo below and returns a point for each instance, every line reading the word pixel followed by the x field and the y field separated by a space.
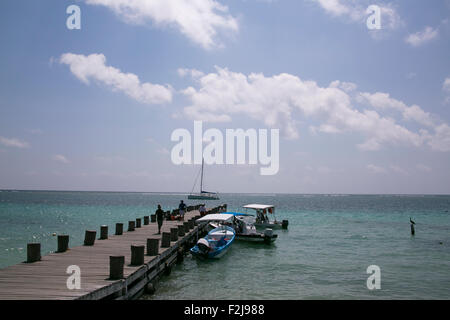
pixel 246 230
pixel 262 216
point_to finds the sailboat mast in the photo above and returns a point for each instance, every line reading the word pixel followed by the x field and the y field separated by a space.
pixel 201 179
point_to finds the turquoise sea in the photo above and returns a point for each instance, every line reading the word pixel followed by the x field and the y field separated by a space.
pixel 324 254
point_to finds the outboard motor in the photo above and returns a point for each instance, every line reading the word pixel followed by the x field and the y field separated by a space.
pixel 203 245
pixel 268 234
pixel 284 224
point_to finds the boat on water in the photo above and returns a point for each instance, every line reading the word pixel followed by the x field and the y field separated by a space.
pixel 218 240
pixel 245 229
pixel 203 195
pixel 262 216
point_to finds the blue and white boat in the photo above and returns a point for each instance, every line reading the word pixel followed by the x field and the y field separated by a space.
pixel 245 229
pixel 218 240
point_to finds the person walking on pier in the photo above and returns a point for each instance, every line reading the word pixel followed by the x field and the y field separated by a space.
pixel 182 209
pixel 202 210
pixel 159 217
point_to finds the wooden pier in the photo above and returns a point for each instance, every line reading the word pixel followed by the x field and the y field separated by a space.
pixel 48 277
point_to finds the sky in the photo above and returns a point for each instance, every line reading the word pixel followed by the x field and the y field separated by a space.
pixel 358 110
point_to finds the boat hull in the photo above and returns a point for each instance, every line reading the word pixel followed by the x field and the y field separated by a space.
pixel 215 251
pixel 259 238
pixel 268 225
pixel 201 197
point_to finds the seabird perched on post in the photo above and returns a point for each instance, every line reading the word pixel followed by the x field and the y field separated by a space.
pixel 412 226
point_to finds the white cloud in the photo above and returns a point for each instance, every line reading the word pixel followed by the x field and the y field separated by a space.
pixel 94 67
pixel 356 11
pixel 60 158
pixel 399 170
pixel 199 20
pixel 446 85
pixel 183 72
pixel 424 168
pixel 422 37
pixel 14 142
pixel 380 101
pixel 376 169
pixel 440 141
pixel 279 102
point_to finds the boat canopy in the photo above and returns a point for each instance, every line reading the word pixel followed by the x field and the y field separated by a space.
pixel 258 206
pixel 217 217
pixel 239 214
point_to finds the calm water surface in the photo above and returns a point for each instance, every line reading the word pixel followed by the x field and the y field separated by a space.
pixel 331 241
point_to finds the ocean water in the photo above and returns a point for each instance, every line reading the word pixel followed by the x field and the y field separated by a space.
pixel 325 253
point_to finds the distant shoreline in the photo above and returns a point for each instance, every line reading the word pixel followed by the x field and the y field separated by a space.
pixel 230 193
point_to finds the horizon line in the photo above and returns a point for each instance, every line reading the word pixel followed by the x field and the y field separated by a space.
pixel 262 193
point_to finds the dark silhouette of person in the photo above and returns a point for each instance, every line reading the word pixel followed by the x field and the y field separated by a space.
pixel 159 217
pixel 182 209
pixel 412 226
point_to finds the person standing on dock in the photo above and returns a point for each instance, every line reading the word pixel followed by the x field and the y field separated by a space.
pixel 159 217
pixel 182 209
pixel 202 210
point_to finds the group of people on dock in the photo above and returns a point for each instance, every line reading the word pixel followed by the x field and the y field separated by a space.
pixel 161 215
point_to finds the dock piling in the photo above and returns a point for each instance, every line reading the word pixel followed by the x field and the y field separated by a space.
pixel 131 225
pixel 146 220
pixel 165 240
pixel 138 222
pixel 33 252
pixel 63 243
pixel 89 237
pixel 152 247
pixel 137 255
pixel 103 232
pixel 119 229
pixel 181 230
pixel 116 264
pixel 173 234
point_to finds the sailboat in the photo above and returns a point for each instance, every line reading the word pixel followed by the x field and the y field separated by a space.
pixel 203 195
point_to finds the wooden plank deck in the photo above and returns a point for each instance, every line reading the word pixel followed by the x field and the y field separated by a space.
pixel 46 279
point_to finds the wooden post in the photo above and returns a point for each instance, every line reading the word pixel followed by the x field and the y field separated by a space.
pixel 104 232
pixel 33 252
pixel 181 231
pixel 119 229
pixel 63 243
pixel 131 225
pixel 137 255
pixel 150 288
pixel 186 227
pixel 413 232
pixel 138 222
pixel 89 237
pixel 116 264
pixel 153 218
pixel 146 220
pixel 173 234
pixel 180 255
pixel 165 240
pixel 152 247
pixel 191 224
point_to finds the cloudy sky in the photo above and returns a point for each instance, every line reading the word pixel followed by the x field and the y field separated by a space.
pixel 359 110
